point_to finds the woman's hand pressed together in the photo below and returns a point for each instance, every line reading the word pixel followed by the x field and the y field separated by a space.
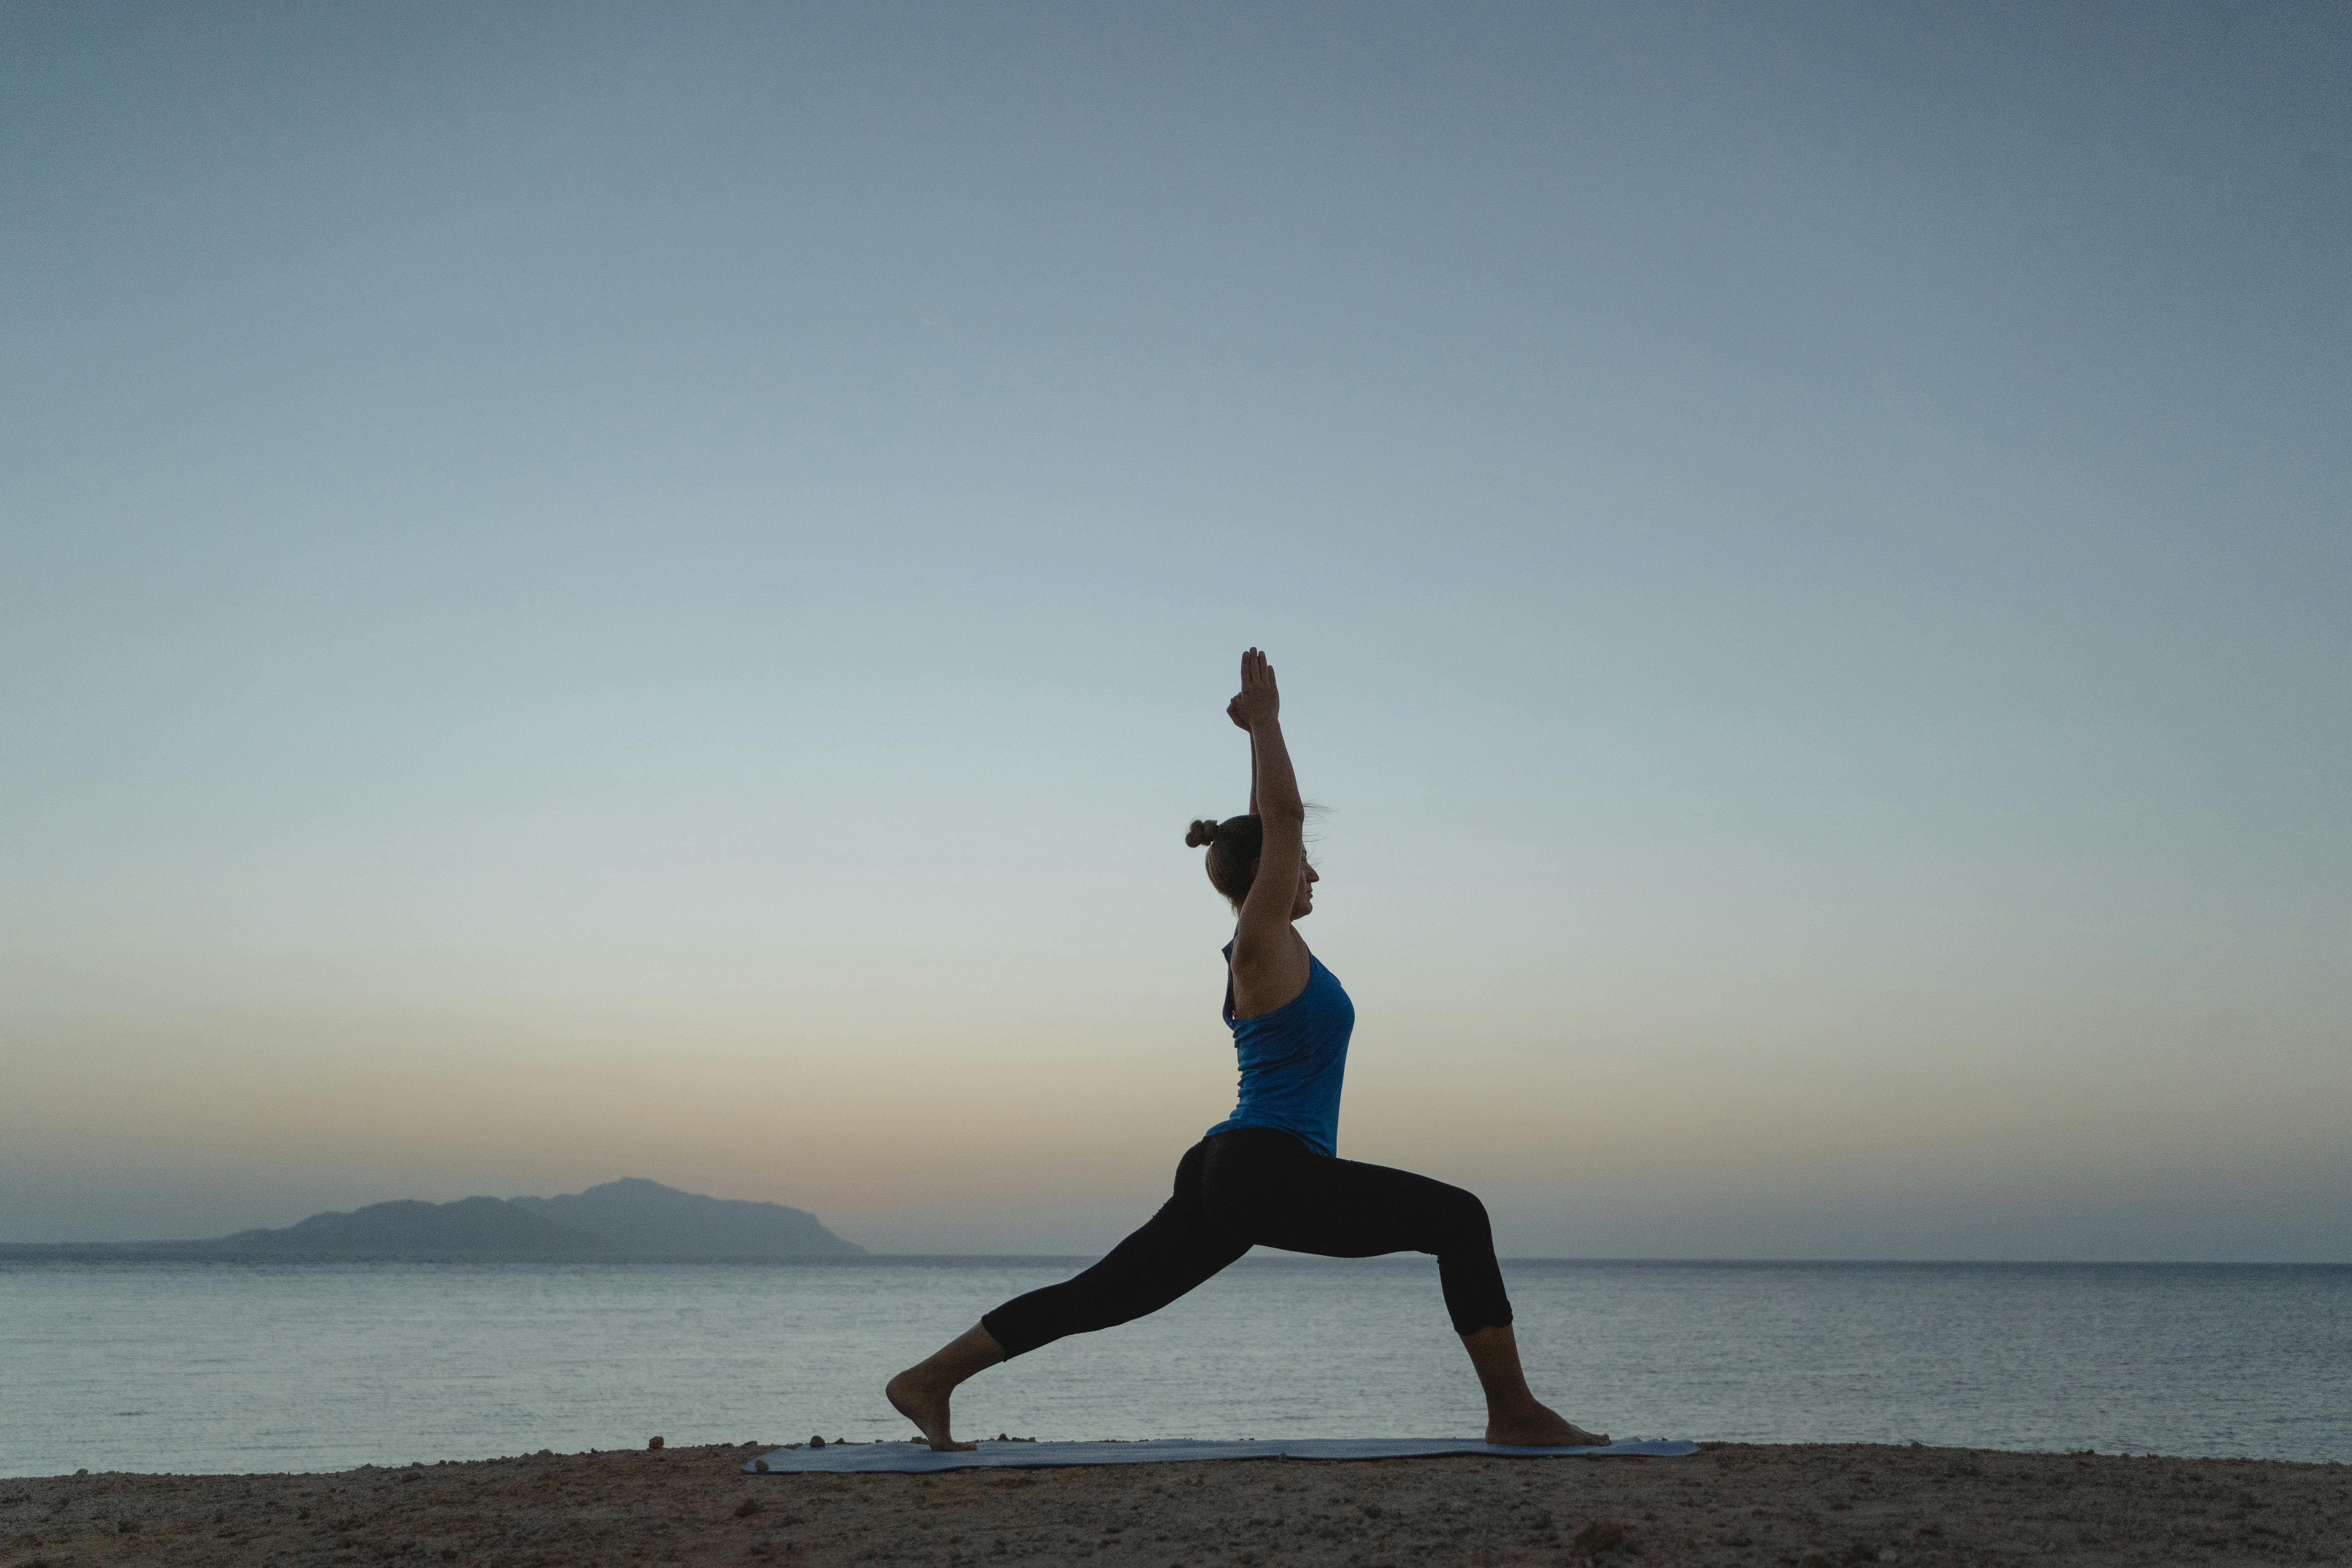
pixel 1258 702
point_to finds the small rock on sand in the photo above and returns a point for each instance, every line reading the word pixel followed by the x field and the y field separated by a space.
pixel 1601 1535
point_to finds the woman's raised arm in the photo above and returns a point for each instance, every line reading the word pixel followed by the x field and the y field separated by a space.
pixel 1270 964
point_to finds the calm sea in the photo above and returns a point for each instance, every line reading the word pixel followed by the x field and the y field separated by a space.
pixel 240 1367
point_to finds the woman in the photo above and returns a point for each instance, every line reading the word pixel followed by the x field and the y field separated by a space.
pixel 1267 1175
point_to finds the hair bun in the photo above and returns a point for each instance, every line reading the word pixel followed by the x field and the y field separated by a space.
pixel 1203 832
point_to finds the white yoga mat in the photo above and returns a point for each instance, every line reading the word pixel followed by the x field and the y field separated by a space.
pixel 855 1458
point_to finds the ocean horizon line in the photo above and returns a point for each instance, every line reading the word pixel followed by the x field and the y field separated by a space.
pixel 173 1252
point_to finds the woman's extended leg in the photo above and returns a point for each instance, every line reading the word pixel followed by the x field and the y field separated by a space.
pixel 1174 1252
pixel 1270 1188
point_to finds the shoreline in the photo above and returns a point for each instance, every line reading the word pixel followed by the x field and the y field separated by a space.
pixel 1805 1505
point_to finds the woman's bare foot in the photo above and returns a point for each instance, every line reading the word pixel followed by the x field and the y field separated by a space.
pixel 920 1393
pixel 1537 1426
pixel 926 1405
pixel 1514 1418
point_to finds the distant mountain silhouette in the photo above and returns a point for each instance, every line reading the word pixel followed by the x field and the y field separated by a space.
pixel 470 1228
pixel 649 1220
pixel 628 1219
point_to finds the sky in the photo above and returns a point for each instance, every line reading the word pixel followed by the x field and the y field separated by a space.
pixel 597 590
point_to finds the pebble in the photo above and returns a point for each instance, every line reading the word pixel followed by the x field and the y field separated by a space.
pixel 1601 1535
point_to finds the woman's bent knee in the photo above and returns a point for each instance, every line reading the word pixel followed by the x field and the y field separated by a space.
pixel 1466 1220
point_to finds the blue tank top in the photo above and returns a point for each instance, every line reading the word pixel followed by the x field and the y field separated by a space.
pixel 1292 1061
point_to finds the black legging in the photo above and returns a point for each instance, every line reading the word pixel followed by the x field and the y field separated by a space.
pixel 1256 1186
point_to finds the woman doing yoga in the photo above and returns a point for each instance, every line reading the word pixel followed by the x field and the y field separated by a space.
pixel 1267 1175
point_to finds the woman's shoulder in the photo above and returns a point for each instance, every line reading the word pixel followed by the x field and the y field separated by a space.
pixel 1284 974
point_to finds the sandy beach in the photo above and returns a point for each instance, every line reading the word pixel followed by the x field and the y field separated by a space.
pixel 1801 1506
